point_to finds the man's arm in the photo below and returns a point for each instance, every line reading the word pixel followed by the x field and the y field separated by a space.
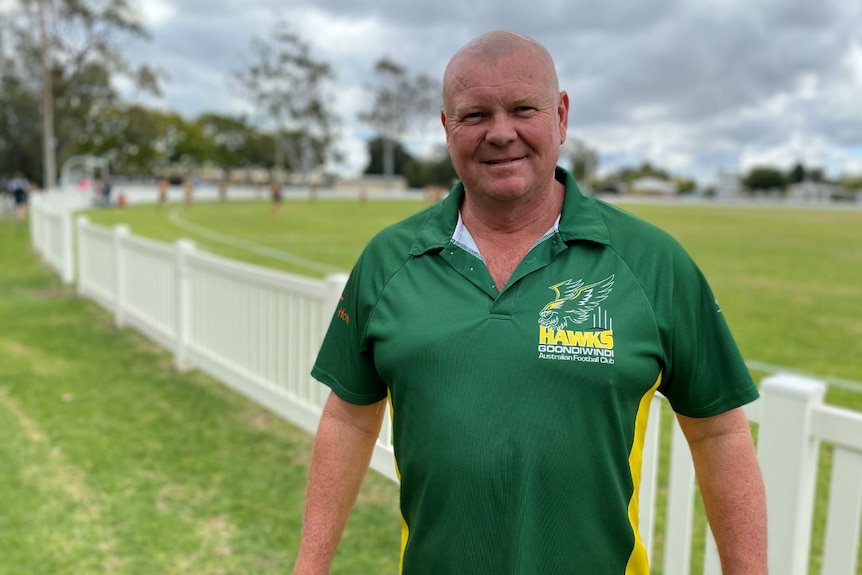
pixel 342 450
pixel 732 488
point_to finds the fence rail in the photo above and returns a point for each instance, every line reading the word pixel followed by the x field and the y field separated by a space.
pixel 258 331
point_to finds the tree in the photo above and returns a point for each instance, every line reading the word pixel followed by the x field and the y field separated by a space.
pixel 398 156
pixel 816 175
pixel 583 159
pixel 287 85
pixel 79 57
pixel 797 174
pixel 685 185
pixel 19 118
pixel 765 178
pixel 399 100
pixel 228 135
pixel 436 170
pixel 851 182
pixel 645 170
pixel 130 138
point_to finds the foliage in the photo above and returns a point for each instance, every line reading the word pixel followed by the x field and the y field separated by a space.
pixel 685 186
pixel 645 170
pixel 583 160
pixel 232 140
pixel 852 182
pixel 135 139
pixel 20 139
pixel 437 170
pixel 288 86
pixel 399 101
pixel 796 174
pixel 765 178
pixel 142 141
pixel 82 39
pixel 400 157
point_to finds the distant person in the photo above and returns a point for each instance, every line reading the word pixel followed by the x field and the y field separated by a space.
pixel 19 189
pixel 313 186
pixel 275 191
pixel 106 192
pixel 222 189
pixel 162 187
pixel 518 329
pixel 188 192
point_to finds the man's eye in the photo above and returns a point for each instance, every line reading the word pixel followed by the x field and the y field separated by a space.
pixel 471 116
pixel 522 110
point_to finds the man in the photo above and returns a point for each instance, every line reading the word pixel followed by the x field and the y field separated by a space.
pixel 519 329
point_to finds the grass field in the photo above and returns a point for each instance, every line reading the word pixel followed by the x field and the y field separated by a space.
pixel 113 463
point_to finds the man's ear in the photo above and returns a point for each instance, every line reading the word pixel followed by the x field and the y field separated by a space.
pixel 563 113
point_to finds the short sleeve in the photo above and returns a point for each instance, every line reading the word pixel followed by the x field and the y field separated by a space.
pixel 706 374
pixel 345 363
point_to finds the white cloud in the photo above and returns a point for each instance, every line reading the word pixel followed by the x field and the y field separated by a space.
pixel 156 12
pixel 693 86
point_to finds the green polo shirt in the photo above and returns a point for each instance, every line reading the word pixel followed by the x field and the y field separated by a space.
pixel 519 416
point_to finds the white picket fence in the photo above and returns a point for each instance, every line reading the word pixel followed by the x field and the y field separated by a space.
pixel 258 331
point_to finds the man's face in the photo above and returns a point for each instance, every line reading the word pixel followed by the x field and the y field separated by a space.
pixel 505 123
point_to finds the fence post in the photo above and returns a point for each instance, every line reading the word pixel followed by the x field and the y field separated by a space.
pixel 120 233
pixel 788 456
pixel 649 475
pixel 33 222
pixel 183 304
pixel 82 222
pixel 67 267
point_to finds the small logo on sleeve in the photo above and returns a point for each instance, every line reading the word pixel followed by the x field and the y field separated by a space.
pixel 343 315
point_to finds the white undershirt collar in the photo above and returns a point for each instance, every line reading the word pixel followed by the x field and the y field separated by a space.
pixel 461 237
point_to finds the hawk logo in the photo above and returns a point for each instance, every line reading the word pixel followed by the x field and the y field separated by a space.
pixel 574 302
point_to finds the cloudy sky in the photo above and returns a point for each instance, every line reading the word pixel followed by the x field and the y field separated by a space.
pixel 693 86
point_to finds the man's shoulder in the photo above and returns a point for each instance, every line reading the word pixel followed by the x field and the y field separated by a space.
pixel 389 251
pixel 629 230
pixel 410 234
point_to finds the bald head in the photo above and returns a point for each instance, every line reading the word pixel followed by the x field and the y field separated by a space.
pixel 495 46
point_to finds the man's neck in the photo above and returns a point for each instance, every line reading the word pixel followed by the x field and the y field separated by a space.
pixel 504 234
pixel 513 219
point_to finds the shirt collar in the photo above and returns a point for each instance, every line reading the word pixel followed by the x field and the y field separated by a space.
pixel 581 219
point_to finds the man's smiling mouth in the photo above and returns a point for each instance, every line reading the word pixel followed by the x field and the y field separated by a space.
pixel 498 162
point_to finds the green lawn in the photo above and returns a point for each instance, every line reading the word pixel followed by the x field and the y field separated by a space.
pixel 113 463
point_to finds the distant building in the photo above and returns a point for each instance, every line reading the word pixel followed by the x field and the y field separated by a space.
pixel 652 186
pixel 727 186
pixel 813 192
pixel 372 183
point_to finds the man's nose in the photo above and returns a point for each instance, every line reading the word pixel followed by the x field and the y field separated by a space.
pixel 501 130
